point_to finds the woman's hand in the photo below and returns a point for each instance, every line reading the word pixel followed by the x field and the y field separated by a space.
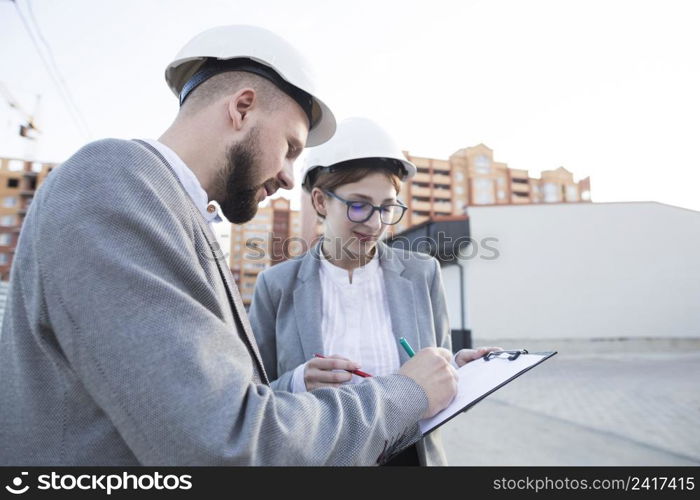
pixel 464 356
pixel 319 372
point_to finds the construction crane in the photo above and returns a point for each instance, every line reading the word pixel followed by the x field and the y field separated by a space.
pixel 28 128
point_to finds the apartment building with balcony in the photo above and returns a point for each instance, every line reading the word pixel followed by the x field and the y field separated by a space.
pixel 469 177
pixel 488 182
pixel 19 180
pixel 271 237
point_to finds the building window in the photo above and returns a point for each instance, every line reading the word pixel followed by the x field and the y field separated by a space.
pixel 459 190
pixel 12 183
pixel 9 202
pixel 254 265
pixel 571 193
pixel 7 220
pixel 257 227
pixel 16 165
pixel 550 192
pixel 3 258
pixel 483 165
pixel 5 239
pixel 484 191
pixel 459 176
pixel 259 236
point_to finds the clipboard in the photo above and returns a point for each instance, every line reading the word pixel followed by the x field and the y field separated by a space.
pixel 482 377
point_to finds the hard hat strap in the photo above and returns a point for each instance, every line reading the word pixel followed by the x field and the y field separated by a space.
pixel 215 66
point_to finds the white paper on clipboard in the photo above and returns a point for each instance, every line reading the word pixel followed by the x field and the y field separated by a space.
pixel 478 379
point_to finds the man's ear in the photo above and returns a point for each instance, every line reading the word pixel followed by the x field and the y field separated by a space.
pixel 239 105
pixel 318 200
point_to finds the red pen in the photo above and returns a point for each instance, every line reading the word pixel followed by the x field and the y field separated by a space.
pixel 359 373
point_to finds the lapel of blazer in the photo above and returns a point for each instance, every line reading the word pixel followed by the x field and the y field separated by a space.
pixel 239 313
pixel 307 304
pixel 402 306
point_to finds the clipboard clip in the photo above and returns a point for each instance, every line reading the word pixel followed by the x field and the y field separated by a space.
pixel 509 355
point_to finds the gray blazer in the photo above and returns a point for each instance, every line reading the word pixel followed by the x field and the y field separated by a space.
pixel 286 316
pixel 124 342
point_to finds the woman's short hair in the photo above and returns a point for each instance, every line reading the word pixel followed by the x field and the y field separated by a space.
pixel 354 171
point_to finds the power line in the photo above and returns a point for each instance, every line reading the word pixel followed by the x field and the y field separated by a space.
pixel 52 68
pixel 57 72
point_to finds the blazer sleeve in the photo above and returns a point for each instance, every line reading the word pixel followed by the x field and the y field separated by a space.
pixel 143 329
pixel 263 320
pixel 443 335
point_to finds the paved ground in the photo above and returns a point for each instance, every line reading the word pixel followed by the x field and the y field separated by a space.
pixel 610 403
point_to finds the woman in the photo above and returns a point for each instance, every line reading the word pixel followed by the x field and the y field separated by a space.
pixel 351 297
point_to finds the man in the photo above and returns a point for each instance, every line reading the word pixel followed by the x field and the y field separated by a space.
pixel 125 341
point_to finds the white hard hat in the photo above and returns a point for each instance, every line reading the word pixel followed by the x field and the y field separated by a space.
pixel 256 50
pixel 355 139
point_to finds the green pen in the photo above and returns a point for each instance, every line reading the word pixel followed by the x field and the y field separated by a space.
pixel 407 347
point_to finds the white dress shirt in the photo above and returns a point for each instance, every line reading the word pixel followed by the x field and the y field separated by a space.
pixel 189 181
pixel 355 320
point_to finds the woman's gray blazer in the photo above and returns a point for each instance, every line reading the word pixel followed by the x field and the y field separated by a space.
pixel 286 316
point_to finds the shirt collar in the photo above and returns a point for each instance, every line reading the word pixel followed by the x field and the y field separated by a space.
pixel 359 274
pixel 189 181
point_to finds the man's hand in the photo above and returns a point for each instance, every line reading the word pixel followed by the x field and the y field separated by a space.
pixel 431 369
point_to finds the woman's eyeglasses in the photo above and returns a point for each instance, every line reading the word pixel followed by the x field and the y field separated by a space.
pixel 362 211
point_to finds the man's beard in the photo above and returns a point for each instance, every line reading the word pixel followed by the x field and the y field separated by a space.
pixel 239 196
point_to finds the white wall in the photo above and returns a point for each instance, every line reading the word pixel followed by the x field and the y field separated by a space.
pixel 601 270
pixel 450 277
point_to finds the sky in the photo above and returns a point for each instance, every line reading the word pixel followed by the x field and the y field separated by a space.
pixel 607 89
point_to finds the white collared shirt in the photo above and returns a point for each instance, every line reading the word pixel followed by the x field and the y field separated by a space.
pixel 355 320
pixel 189 181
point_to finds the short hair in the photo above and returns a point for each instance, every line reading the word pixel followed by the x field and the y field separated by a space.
pixel 329 180
pixel 230 82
